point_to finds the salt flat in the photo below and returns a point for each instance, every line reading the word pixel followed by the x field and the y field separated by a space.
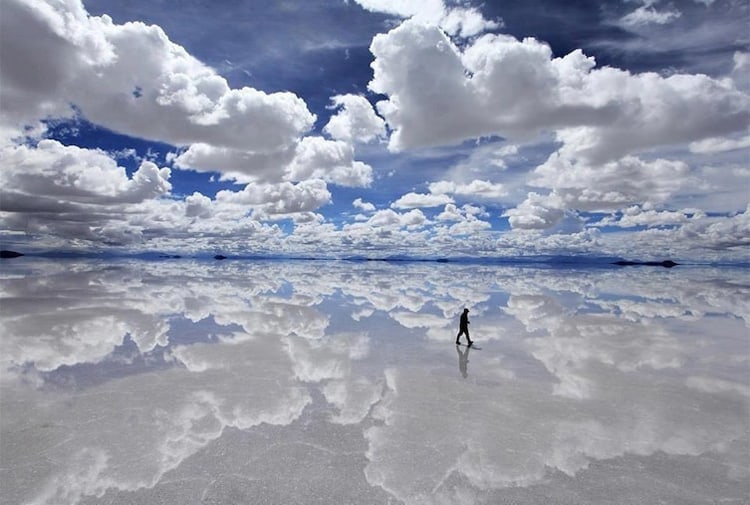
pixel 300 382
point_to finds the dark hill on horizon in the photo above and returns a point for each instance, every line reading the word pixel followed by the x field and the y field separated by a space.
pixel 10 254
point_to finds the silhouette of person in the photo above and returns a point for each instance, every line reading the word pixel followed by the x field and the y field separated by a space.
pixel 463 328
pixel 463 361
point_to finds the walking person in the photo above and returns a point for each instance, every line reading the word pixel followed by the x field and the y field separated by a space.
pixel 463 328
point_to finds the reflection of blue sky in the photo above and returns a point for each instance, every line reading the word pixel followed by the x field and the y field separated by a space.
pixel 119 379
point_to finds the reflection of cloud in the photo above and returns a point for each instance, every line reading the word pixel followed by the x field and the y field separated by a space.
pixel 353 398
pixel 603 339
pixel 136 429
pixel 331 361
pixel 76 317
pixel 581 371
pixel 488 439
pixel 713 385
pixel 610 397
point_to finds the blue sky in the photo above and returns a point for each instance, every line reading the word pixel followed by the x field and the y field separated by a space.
pixel 377 127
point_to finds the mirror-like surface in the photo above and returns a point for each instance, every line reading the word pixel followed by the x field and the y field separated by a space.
pixel 186 382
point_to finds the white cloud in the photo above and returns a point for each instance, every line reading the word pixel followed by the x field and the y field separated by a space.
pixel 78 176
pixel 478 189
pixel 364 206
pixel 76 193
pixel 281 198
pixel 133 79
pixel 643 148
pixel 311 158
pixel 428 9
pixel 718 234
pixel 412 200
pixel 438 94
pixel 466 213
pixel 413 219
pixel 355 120
pixel 450 213
pixel 637 216
pixel 198 205
pixel 647 14
pixel 329 160
pixel 236 164
pixel 456 20
pixel 720 144
pixel 537 212
pixel 612 185
pixel 389 218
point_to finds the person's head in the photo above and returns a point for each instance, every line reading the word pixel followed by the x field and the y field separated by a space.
pixel 466 311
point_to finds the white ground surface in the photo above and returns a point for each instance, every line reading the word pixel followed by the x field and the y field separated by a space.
pixel 181 382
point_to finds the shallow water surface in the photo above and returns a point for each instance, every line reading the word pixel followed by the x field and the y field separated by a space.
pixel 187 382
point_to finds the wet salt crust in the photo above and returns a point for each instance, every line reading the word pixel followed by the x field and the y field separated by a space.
pixel 186 382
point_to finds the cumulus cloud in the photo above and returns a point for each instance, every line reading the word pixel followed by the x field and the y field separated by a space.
pixel 198 205
pixel 733 232
pixel 329 160
pixel 616 185
pixel 626 181
pixel 75 193
pixel 389 218
pixel 606 120
pixel 642 148
pixel 312 158
pixel 355 120
pixel 282 198
pixel 52 170
pixel 439 94
pixel 537 212
pixel 236 164
pixel 638 216
pixel 133 79
pixel 412 200
pixel 465 220
pixel 478 189
pixel 362 205
pixel 84 197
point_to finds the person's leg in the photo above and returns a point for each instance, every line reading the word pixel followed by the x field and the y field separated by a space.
pixel 458 337
pixel 468 338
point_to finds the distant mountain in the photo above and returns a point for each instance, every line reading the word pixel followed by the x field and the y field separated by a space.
pixel 665 263
pixel 548 261
pixel 543 261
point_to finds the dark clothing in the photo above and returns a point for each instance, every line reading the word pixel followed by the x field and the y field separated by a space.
pixel 463 327
pixel 464 324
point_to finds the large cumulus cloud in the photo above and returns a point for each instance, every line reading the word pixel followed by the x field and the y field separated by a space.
pixel 439 93
pixel 132 78
pixel 58 62
pixel 607 122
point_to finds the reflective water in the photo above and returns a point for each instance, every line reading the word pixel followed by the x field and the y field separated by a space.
pixel 183 382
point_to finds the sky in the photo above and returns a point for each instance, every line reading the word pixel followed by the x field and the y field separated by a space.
pixel 426 128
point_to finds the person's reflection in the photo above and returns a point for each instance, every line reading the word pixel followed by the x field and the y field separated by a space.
pixel 463 360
